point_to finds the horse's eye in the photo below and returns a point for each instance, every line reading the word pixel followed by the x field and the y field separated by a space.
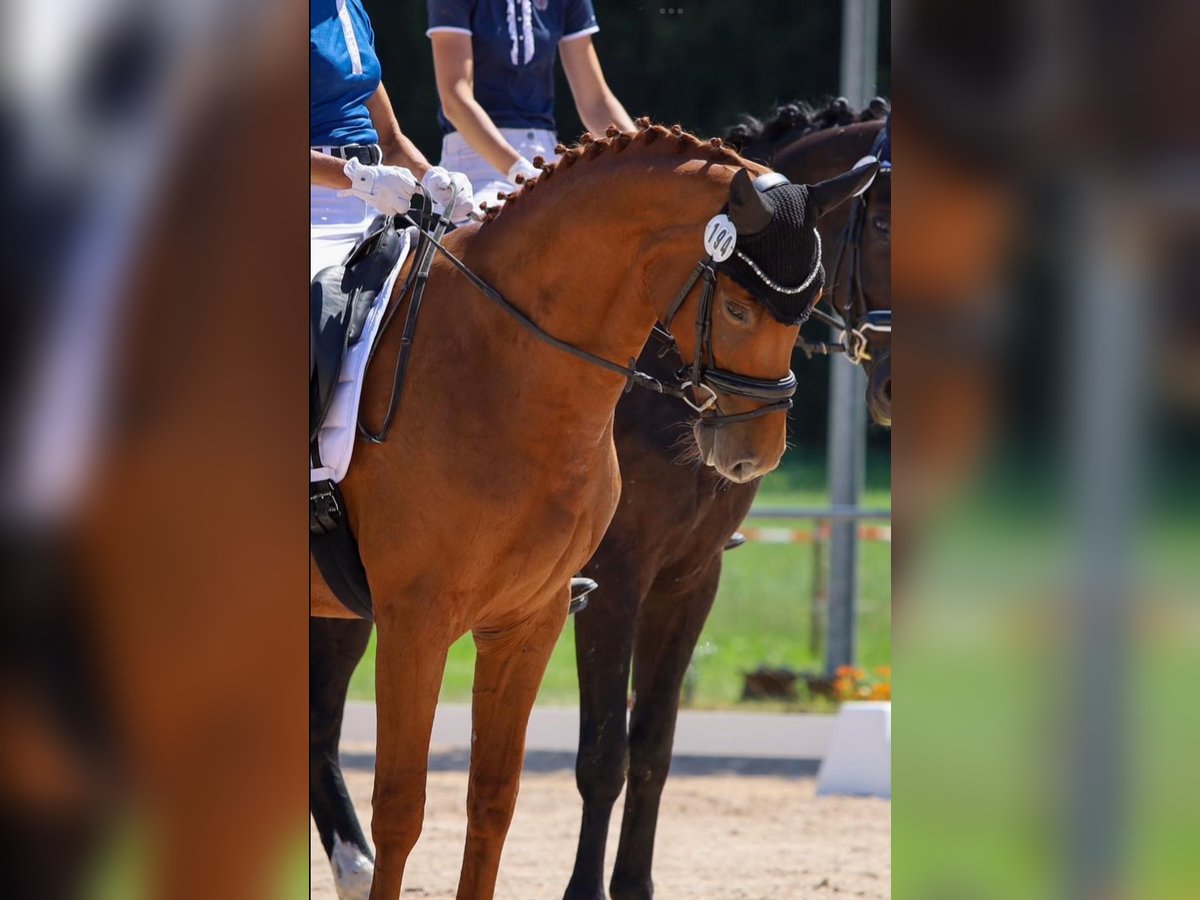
pixel 883 224
pixel 736 311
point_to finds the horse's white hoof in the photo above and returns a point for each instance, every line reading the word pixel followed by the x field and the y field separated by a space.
pixel 352 871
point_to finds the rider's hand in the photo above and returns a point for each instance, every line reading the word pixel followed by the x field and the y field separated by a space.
pixel 387 188
pixel 449 191
pixel 522 167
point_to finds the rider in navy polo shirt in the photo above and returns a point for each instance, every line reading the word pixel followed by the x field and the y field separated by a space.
pixel 361 163
pixel 494 61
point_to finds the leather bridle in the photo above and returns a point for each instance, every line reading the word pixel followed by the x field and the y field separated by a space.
pixel 854 319
pixel 701 375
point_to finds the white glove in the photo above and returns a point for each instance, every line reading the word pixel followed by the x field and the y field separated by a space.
pixel 522 167
pixel 449 191
pixel 387 188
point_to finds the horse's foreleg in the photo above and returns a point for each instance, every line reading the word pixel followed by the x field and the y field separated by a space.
pixel 603 650
pixel 669 626
pixel 410 661
pixel 508 672
pixel 335 647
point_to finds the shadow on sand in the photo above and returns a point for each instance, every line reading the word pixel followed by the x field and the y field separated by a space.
pixel 544 762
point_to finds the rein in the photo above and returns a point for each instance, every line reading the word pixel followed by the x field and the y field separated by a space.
pixel 776 393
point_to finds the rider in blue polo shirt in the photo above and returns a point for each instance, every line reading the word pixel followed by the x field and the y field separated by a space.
pixel 494 61
pixel 361 163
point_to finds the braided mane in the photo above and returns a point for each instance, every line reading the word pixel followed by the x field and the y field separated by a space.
pixel 799 118
pixel 590 147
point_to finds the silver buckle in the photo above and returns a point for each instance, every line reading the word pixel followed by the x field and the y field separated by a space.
pixel 855 340
pixel 855 343
pixel 708 404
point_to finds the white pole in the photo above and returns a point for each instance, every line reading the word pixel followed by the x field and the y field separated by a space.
pixel 847 384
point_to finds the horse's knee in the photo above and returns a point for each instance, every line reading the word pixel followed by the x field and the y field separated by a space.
pixel 649 761
pixel 648 773
pixel 600 771
pixel 396 823
pixel 490 805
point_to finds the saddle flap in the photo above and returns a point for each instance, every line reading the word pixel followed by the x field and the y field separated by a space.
pixel 340 298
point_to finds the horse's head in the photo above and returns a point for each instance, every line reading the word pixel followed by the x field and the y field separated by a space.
pixel 858 239
pixel 767 258
pixel 873 281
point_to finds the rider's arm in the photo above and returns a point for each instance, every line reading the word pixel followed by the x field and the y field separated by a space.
pixel 326 171
pixel 453 64
pixel 397 149
pixel 597 106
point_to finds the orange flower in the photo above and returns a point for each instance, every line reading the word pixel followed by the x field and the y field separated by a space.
pixel 881 691
pixel 884 672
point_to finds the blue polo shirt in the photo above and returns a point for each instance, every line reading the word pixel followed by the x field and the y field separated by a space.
pixel 343 72
pixel 515 45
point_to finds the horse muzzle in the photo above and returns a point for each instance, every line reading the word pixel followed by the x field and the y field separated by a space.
pixel 741 454
pixel 879 390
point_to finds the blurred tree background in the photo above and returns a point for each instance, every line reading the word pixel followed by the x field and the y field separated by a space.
pixel 702 66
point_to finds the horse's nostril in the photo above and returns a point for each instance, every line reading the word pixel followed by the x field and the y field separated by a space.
pixel 744 470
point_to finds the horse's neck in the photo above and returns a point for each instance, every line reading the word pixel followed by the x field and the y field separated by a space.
pixel 596 263
pixel 822 155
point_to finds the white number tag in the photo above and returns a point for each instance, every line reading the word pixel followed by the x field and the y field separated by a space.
pixel 720 237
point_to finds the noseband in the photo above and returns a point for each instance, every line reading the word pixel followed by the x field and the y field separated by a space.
pixel 703 374
pixel 854 319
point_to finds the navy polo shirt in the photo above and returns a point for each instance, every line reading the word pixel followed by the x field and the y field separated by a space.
pixel 343 72
pixel 515 45
pixel 885 144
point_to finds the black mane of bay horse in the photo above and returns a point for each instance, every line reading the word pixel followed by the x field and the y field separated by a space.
pixel 658 568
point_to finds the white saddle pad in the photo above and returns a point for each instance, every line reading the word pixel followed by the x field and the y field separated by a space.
pixel 335 438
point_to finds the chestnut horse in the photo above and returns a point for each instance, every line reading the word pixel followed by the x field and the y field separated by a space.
pixel 501 476
pixel 674 504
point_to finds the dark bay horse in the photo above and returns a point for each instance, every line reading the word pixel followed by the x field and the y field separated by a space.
pixel 503 477
pixel 660 563
pixel 672 521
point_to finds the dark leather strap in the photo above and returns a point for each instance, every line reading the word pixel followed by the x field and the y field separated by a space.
pixel 367 154
pixel 418 276
pixel 632 376
pixel 335 550
pixel 629 373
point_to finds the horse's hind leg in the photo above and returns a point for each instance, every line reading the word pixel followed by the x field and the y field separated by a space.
pixel 669 625
pixel 410 661
pixel 508 672
pixel 335 647
pixel 603 650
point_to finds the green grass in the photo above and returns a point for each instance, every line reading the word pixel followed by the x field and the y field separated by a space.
pixel 763 612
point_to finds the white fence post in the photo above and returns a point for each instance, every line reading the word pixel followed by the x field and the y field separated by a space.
pixel 847 385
